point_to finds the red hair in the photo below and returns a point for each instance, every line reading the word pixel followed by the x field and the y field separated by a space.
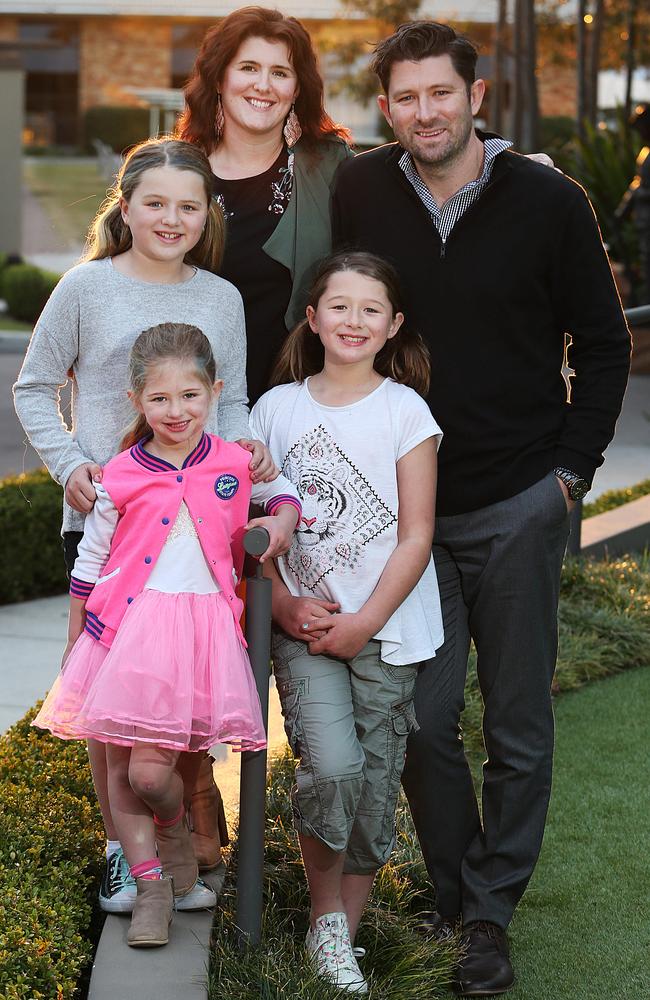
pixel 219 48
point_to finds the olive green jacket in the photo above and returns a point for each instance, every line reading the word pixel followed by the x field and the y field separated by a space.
pixel 303 235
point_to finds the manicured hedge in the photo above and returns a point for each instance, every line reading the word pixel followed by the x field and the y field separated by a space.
pixel 119 127
pixel 50 862
pixel 26 289
pixel 30 527
pixel 616 498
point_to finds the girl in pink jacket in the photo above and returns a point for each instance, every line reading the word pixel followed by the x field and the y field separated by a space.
pixel 156 663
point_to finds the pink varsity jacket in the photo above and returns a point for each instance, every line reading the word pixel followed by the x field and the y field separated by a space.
pixel 147 492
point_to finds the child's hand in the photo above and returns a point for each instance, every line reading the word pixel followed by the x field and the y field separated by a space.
pixel 262 467
pixel 345 636
pixel 79 490
pixel 302 617
pixel 280 527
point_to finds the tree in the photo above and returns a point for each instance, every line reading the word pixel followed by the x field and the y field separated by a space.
pixel 581 67
pixel 497 94
pixel 526 110
pixel 385 16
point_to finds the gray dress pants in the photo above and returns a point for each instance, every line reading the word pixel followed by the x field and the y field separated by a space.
pixel 498 571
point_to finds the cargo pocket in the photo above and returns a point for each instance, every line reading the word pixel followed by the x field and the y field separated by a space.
pixel 402 722
pixel 290 691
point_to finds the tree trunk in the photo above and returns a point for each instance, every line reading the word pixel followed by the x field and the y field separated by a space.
pixel 594 61
pixel 581 67
pixel 518 101
pixel 531 111
pixel 497 103
pixel 630 54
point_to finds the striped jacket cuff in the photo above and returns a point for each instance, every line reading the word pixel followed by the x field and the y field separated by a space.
pixel 80 588
pixel 271 507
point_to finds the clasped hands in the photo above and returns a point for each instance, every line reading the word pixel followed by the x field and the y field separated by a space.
pixel 318 623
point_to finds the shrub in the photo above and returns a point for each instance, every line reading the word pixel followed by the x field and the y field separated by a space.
pixel 616 498
pixel 26 289
pixel 50 859
pixel 118 127
pixel 604 163
pixel 7 260
pixel 557 135
pixel 30 526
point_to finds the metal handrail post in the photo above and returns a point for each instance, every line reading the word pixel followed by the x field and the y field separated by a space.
pixel 252 793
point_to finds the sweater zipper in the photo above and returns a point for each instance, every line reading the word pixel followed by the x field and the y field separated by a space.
pixel 443 243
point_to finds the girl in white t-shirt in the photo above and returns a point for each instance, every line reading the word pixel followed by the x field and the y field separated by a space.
pixel 355 601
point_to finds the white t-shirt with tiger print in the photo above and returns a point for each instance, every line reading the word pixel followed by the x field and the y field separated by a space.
pixel 343 460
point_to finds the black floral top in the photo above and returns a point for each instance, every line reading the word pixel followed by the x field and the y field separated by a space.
pixel 252 207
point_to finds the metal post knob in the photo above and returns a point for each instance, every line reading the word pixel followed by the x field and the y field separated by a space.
pixel 256 541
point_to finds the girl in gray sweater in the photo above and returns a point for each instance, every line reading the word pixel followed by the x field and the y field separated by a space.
pixel 150 258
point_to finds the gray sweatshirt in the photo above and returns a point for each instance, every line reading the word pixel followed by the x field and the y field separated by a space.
pixel 89 324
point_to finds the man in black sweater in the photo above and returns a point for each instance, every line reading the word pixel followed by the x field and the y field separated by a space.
pixel 500 258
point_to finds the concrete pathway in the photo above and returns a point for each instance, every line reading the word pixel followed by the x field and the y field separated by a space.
pixel 627 460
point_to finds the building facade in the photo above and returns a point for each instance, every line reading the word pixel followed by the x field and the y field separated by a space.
pixel 80 55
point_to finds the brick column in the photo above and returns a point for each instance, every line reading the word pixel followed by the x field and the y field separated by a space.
pixel 120 52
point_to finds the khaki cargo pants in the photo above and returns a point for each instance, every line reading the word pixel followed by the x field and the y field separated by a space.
pixel 347 723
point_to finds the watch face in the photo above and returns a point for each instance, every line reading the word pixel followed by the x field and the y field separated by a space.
pixel 578 489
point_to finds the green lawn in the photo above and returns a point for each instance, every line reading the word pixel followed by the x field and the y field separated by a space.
pixel 16 325
pixel 579 932
pixel 582 931
pixel 70 192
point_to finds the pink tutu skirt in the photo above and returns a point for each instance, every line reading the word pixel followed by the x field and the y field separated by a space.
pixel 176 675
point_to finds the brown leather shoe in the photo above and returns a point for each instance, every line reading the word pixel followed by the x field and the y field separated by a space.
pixel 485 969
pixel 152 913
pixel 207 819
pixel 177 855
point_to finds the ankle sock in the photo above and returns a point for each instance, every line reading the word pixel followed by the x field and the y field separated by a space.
pixel 150 869
pixel 170 822
pixel 111 847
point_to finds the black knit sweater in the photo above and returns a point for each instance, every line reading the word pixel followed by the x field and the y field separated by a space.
pixel 522 266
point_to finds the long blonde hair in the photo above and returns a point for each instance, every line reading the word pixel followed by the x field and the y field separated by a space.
pixel 109 235
pixel 165 342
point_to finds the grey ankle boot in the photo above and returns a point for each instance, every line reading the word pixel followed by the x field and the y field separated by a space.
pixel 176 855
pixel 152 913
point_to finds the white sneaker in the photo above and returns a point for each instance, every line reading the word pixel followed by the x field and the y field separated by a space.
pixel 201 897
pixel 330 947
pixel 117 892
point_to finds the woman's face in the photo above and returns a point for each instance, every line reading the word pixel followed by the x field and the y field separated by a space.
pixel 258 88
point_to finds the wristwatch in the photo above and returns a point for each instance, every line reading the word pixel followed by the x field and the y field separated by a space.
pixel 575 484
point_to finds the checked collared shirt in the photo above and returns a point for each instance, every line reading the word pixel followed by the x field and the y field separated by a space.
pixel 445 218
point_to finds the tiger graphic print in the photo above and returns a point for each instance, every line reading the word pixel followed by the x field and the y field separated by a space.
pixel 341 512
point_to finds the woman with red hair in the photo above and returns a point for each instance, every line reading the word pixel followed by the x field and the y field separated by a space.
pixel 255 106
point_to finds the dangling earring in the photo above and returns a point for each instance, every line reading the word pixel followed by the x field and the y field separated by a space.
pixel 292 130
pixel 219 119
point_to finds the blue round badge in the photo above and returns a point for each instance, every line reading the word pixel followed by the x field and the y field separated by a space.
pixel 226 486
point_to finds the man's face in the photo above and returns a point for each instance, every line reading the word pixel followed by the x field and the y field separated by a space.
pixel 429 109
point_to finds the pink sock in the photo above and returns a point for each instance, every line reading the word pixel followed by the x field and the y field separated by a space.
pixel 147 869
pixel 170 822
